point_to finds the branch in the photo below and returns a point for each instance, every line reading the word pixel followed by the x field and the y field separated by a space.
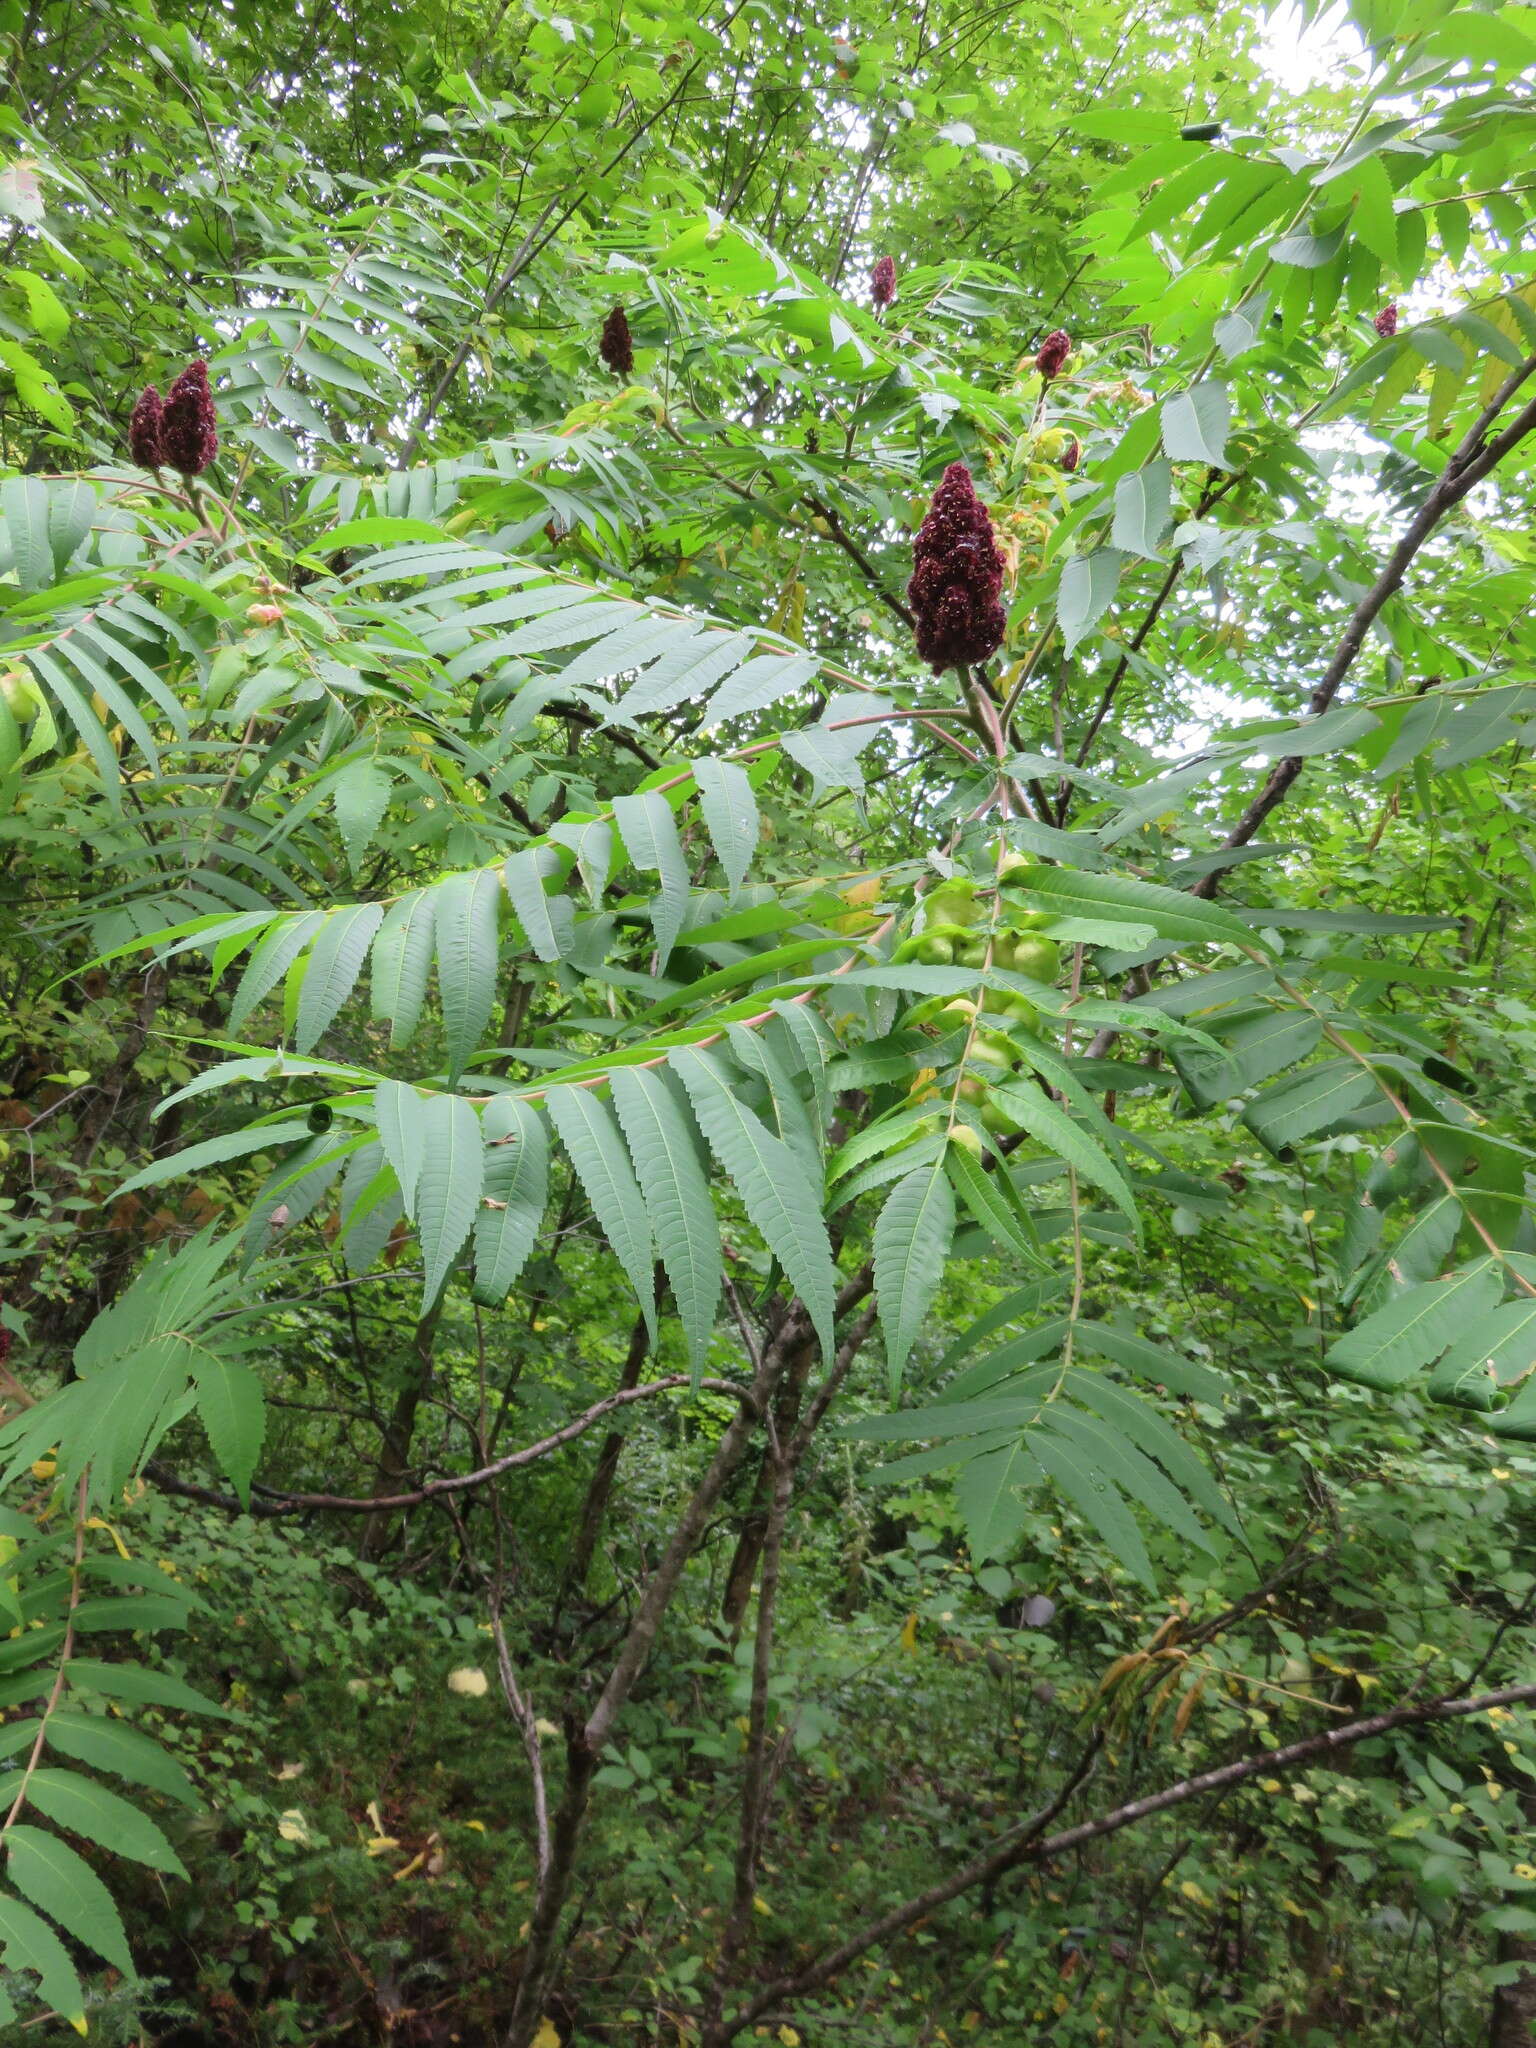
pixel 856 555
pixel 1473 460
pixel 1029 1843
pixel 282 1503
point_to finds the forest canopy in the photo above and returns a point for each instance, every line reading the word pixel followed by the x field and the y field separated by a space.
pixel 767 828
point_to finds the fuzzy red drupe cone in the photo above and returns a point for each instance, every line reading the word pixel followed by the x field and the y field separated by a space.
pixel 144 430
pixel 189 432
pixel 616 346
pixel 882 282
pixel 957 578
pixel 1385 322
pixel 1054 350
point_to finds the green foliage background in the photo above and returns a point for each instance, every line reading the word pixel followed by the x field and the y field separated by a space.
pixel 629 1416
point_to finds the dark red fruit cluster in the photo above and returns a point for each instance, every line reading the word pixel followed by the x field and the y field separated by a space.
pixel 882 283
pixel 1054 350
pixel 616 346
pixel 1071 455
pixel 957 578
pixel 1386 321
pixel 183 432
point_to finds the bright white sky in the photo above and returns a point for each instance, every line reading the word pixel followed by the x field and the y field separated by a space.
pixel 1301 60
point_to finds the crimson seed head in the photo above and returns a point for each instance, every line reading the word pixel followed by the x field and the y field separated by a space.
pixel 1072 454
pixel 616 346
pixel 144 430
pixel 1386 321
pixel 1054 350
pixel 957 578
pixel 189 432
pixel 882 282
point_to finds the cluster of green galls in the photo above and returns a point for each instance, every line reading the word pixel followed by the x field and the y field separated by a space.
pixel 952 934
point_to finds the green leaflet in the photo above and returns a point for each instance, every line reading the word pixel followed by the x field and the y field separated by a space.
pixel 596 1151
pixel 402 960
pixel 649 831
pixel 988 1492
pixel 1196 424
pixel 275 953
pixel 360 794
pixel 466 943
pixel 515 1191
pixel 767 1052
pixel 1143 505
pixel 1117 1462
pixel 1258 1044
pixel 770 1179
pixel 49 1874
pixel 1088 585
pixel 214 1151
pixel 1046 1120
pixel 682 1217
pixel 1151 1362
pixel 143 1688
pixel 1398 1340
pixel 1171 913
pixel 591 840
pixel 1012 1308
pixel 368 1206
pixel 29 1943
pixel 729 805
pixel 331 970
pixel 112 1745
pixel 448 1186
pixel 89 1809
pixel 981 1194
pixel 1309 1101
pixel 230 1405
pixel 400 1114
pixel 1499 1348
pixel 1099 1504
pixel 549 921
pixel 913 1233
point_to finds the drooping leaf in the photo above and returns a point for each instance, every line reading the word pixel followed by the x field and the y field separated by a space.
pixel 513 1198
pixel 449 1184
pixel 769 1178
pixel 913 1233
pixel 730 812
pixel 682 1217
pixel 49 1874
pixel 465 941
pixel 592 1141
pixel 1399 1340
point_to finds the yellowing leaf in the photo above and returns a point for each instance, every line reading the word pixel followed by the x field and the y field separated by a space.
pixel 789 2037
pixel 909 1633
pixel 293 1827
pixel 95 1522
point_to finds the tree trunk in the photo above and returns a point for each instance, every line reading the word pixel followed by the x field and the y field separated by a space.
pixel 754 1527
pixel 1512 2023
pixel 595 1507
pixel 394 1461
